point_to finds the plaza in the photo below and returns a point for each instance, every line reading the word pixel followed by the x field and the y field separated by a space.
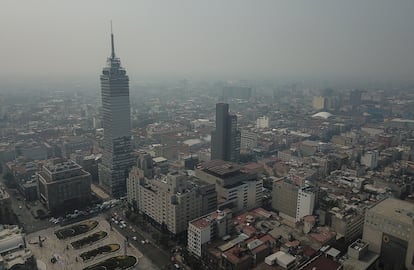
pixel 58 254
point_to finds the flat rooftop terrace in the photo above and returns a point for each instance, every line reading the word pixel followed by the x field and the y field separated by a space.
pixel 395 209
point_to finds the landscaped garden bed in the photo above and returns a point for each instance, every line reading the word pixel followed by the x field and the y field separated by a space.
pixel 88 240
pixel 77 229
pixel 118 262
pixel 91 254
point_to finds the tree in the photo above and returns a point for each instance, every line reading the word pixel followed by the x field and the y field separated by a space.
pixel 133 217
pixel 268 183
pixel 128 214
pixel 164 240
pixel 190 260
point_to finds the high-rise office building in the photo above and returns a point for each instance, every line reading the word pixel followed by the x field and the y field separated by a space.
pixel 116 157
pixel 225 139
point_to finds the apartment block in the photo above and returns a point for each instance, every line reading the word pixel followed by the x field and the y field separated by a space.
pixel 173 199
pixel 207 228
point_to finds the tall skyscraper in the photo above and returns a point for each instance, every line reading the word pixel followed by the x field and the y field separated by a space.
pixel 116 157
pixel 225 140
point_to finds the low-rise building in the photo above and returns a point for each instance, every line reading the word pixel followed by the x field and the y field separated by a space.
pixel 31 150
pixel 24 174
pixel 360 257
pixel 282 259
pixel 13 251
pixel 75 143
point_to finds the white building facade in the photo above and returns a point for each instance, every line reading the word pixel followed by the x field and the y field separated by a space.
pixel 306 202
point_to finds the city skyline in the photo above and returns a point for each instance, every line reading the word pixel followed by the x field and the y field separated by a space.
pixel 252 135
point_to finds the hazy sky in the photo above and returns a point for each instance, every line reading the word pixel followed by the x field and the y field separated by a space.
pixel 266 38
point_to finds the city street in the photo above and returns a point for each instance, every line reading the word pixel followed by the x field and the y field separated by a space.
pixel 26 219
pixel 150 250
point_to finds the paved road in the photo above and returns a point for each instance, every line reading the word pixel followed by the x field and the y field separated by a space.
pixel 26 219
pixel 158 256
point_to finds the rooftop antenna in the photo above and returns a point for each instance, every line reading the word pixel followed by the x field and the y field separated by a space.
pixel 112 44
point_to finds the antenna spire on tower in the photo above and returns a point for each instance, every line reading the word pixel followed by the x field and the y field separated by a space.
pixel 112 44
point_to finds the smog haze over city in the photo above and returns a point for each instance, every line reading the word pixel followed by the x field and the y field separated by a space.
pixel 224 39
pixel 207 135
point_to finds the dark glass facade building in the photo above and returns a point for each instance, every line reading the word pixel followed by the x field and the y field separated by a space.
pixel 117 149
pixel 225 139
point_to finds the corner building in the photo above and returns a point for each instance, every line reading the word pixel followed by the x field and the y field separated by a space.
pixel 117 148
pixel 63 185
pixel 389 230
pixel 174 199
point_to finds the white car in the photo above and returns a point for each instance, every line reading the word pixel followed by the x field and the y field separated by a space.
pixel 134 238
